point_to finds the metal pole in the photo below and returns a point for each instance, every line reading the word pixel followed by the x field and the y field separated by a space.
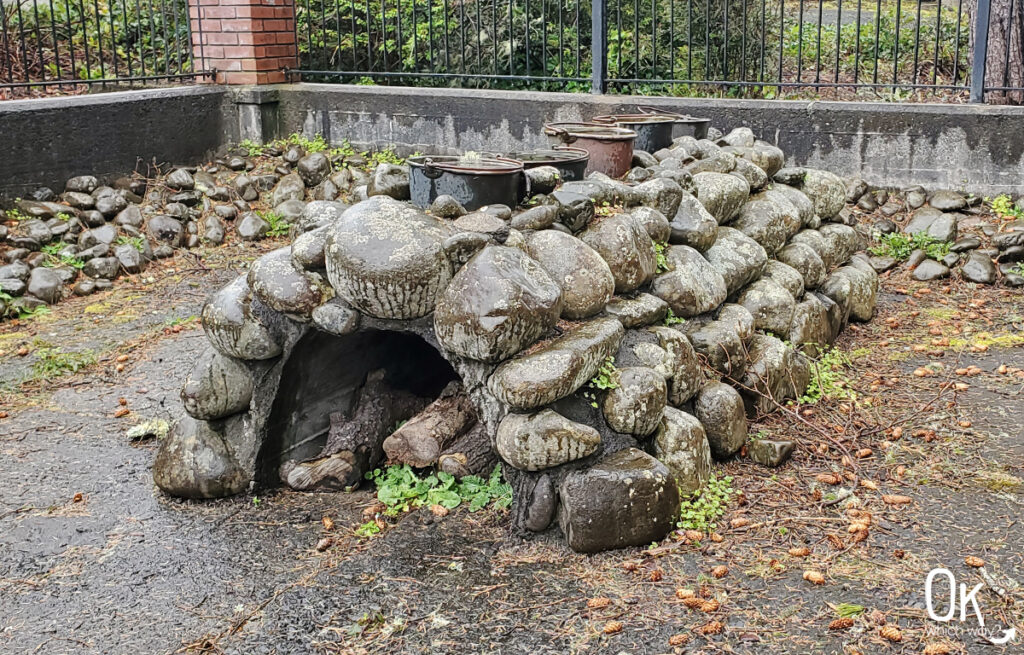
pixel 981 20
pixel 599 46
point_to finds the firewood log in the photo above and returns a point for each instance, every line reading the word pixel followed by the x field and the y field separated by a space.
pixel 470 454
pixel 424 437
pixel 354 443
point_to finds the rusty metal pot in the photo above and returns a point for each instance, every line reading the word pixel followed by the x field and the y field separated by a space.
pixel 653 131
pixel 684 124
pixel 474 183
pixel 610 148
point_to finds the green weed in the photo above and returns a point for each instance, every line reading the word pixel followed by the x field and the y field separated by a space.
pixel 900 246
pixel 661 260
pixel 401 490
pixel 51 362
pixel 828 379
pixel 607 377
pixel 278 225
pixel 1004 207
pixel 672 319
pixel 701 509
pixel 137 242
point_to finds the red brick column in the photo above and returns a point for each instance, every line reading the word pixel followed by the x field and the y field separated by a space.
pixel 244 41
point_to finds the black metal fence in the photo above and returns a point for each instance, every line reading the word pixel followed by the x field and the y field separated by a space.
pixel 69 45
pixel 885 49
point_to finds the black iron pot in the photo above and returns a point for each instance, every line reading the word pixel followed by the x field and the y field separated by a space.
pixel 570 162
pixel 683 125
pixel 473 182
pixel 653 132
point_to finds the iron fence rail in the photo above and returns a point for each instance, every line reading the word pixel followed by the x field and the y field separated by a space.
pixel 891 49
pixel 71 43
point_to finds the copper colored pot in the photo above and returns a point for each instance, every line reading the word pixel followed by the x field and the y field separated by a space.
pixel 610 147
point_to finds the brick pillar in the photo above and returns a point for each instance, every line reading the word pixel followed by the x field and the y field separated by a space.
pixel 245 41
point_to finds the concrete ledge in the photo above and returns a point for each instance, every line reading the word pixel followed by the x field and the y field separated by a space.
pixel 978 148
pixel 48 140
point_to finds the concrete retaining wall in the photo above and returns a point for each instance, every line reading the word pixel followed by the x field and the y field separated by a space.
pixel 972 147
pixel 976 148
pixel 44 142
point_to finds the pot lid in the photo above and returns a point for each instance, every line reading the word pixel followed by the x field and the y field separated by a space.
pixel 589 131
pixel 557 155
pixel 476 165
pixel 635 119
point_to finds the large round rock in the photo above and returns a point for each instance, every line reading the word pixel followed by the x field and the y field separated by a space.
pixel 691 286
pixel 279 285
pixel 737 257
pixel 232 326
pixel 721 194
pixel 387 259
pixel 635 405
pixel 194 461
pixel 586 281
pixel 500 302
pixel 218 386
pixel 719 408
pixel 533 442
pixel 625 245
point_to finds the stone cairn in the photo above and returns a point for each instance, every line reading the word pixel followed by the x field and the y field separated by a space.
pixel 695 289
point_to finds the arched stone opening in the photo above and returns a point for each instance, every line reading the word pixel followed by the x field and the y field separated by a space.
pixel 327 375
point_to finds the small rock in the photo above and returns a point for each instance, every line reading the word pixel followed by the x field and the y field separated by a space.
pixel 445 206
pixel 947 201
pixel 180 180
pixel 389 180
pixel 979 269
pixel 769 452
pixel 45 284
pixel 252 227
pixel 930 270
pixel 313 168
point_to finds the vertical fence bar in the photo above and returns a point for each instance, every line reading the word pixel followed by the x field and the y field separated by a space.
pixel 598 46
pixel 981 22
